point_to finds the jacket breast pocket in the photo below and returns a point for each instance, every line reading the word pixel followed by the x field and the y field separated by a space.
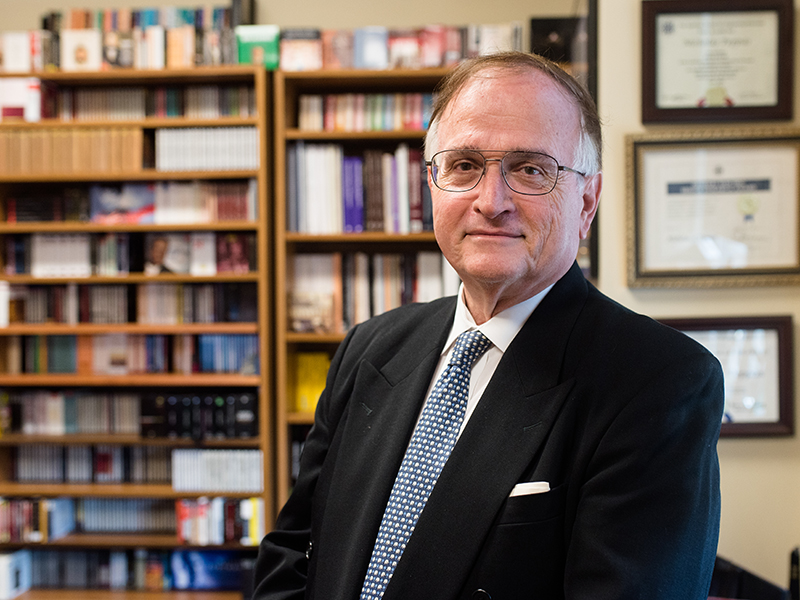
pixel 532 508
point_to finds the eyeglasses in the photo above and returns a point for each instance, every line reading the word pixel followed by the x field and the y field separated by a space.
pixel 528 173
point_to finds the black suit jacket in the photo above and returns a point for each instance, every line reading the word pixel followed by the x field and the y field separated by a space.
pixel 618 413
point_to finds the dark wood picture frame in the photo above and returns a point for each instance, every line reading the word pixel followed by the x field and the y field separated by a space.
pixel 782 110
pixel 782 325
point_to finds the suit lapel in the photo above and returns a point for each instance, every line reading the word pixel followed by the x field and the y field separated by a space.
pixel 385 404
pixel 503 436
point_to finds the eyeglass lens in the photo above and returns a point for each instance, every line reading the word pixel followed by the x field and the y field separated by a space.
pixel 525 172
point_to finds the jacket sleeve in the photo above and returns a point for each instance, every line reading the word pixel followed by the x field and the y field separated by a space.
pixel 281 568
pixel 647 518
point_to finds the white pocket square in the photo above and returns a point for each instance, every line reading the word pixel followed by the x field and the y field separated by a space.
pixel 530 487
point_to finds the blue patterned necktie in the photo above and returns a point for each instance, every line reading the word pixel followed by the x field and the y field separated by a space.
pixel 430 446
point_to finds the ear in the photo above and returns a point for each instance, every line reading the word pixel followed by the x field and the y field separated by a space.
pixel 591 198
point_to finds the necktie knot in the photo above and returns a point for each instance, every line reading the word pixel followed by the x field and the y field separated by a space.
pixel 469 347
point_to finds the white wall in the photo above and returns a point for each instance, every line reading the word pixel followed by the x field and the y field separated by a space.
pixel 761 477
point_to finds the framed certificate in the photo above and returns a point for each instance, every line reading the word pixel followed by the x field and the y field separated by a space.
pixel 757 358
pixel 712 209
pixel 717 60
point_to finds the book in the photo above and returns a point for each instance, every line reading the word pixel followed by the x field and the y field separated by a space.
pixel 370 47
pixel 337 49
pixel 232 251
pixel 16 52
pixel 310 370
pixel 301 49
pixel 81 49
pixel 126 203
pixel 167 253
pixel 15 573
pixel 204 253
pixel 214 471
pixel 315 296
pixel 258 45
pixel 403 49
pixel 20 99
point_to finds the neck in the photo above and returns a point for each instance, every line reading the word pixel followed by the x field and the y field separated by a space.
pixel 485 303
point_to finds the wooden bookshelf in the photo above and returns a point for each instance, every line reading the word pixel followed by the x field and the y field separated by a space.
pixel 24 184
pixel 126 595
pixel 289 86
pixel 107 490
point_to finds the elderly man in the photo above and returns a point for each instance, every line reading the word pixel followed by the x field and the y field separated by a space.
pixel 529 438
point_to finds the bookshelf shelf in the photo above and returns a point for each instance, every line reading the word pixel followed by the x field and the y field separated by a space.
pixel 401 134
pixel 367 237
pixel 87 227
pixel 146 123
pixel 293 337
pixel 360 80
pixel 124 541
pixel 293 241
pixel 133 278
pixel 130 328
pixel 107 490
pixel 143 380
pixel 78 439
pixel 143 175
pixel 45 594
pixel 204 74
pixel 300 418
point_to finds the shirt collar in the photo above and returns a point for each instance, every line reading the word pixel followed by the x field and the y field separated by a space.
pixel 502 328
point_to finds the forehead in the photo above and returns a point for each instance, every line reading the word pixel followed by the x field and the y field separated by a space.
pixel 505 110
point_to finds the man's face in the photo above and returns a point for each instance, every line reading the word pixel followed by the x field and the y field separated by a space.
pixel 495 238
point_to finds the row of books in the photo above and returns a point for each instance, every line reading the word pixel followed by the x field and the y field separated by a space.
pixel 215 521
pixel 65 151
pixel 198 522
pixel 377 47
pixel 124 354
pixel 330 190
pixel 172 304
pixel 172 202
pixel 186 38
pixel 77 255
pixel 192 470
pixel 206 415
pixel 100 463
pixel 147 303
pixel 364 112
pixel 67 204
pixel 139 569
pixel 130 103
pixel 47 412
pixel 124 38
pixel 332 292
pixel 217 471
pixel 35 520
pixel 31 99
pixel 162 203
pixel 199 416
pixel 207 149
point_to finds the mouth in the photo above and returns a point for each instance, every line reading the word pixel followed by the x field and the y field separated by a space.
pixel 494 234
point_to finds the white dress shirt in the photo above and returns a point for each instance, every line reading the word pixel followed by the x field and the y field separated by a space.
pixel 501 329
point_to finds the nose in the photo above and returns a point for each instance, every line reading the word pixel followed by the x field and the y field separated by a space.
pixel 494 195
